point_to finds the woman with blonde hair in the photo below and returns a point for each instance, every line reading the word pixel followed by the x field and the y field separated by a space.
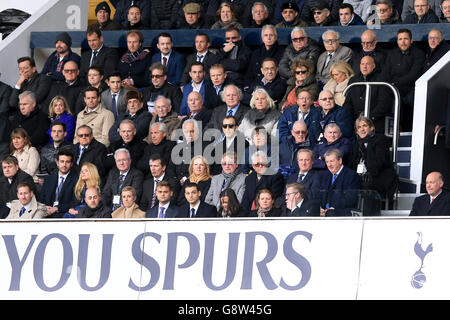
pixel 88 178
pixel 340 73
pixel 59 110
pixel 302 77
pixel 263 112
pixel 28 157
pixel 226 16
pixel 129 210
pixel 199 173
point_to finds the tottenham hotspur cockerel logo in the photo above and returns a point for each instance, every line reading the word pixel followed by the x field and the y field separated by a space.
pixel 419 278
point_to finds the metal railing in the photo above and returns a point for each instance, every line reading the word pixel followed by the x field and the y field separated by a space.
pixel 396 109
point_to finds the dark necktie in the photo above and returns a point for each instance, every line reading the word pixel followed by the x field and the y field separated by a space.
pixel 200 58
pixel 94 55
pixel 230 112
pixel 154 194
pixel 58 189
pixel 165 61
pixel 121 179
pixel 22 211
pixel 80 155
pixel 114 104
pixel 300 177
pixel 192 213
pixel 327 62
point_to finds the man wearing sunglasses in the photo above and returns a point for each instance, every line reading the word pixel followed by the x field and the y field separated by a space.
pixel 321 14
pixel 301 47
pixel 160 87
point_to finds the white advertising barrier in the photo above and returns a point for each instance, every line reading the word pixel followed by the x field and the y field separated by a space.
pixel 405 259
pixel 181 259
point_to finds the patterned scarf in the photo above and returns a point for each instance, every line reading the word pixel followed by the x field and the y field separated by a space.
pixel 129 57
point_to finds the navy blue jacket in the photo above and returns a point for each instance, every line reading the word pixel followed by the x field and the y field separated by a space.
pixel 342 118
pixel 308 208
pixel 204 211
pixel 311 182
pixel 343 144
pixel 138 70
pixel 288 150
pixel 274 183
pixel 52 64
pixel 290 115
pixel 276 89
pixel 356 21
pixel 175 66
pixel 439 207
pixel 170 212
pixel 343 194
pixel 65 197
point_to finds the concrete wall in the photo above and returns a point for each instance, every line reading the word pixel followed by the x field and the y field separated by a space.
pixel 53 15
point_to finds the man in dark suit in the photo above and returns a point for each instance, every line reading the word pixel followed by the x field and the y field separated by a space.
pixel 57 192
pixel 262 177
pixel 339 187
pixel 166 207
pixel 9 180
pixel 29 80
pixel 197 84
pixel 170 58
pixel 232 97
pixel 197 110
pixel 161 87
pixel 201 54
pixel 119 177
pixel 436 202
pixel 158 166
pixel 195 207
pixel 297 204
pixel 113 98
pixel 214 88
pixel 88 150
pixel 99 55
pixel 306 174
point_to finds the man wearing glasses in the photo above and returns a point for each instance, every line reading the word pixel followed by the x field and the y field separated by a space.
pixel 301 47
pixel 334 52
pixel 322 15
pixel 422 8
pixel 160 87
pixel 369 47
pixel 297 204
pixel 88 150
pixel 445 8
pixel 386 14
pixel 422 13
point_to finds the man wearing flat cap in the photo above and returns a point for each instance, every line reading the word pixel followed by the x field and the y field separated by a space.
pixel 103 14
pixel 192 17
pixel 321 14
pixel 55 62
pixel 290 16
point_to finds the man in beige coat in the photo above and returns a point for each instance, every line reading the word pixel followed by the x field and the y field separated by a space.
pixel 95 116
pixel 26 207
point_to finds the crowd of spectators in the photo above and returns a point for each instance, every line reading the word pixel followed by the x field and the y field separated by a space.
pixel 112 134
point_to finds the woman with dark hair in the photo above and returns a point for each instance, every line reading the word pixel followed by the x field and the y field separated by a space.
pixel 229 205
pixel 265 202
pixel 26 154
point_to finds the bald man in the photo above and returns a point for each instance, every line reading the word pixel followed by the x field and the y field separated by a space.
pixel 436 202
pixel 369 47
pixel 437 47
pixel 380 98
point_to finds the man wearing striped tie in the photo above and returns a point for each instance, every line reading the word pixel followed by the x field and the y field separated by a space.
pixel 26 207
pixel 339 187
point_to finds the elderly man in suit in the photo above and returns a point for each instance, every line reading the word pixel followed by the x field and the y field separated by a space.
pixel 88 150
pixel 231 177
pixel 26 207
pixel 436 202
pixel 113 98
pixel 231 96
pixel 99 55
pixel 195 208
pixel 339 187
pixel 57 192
pixel 297 203
pixel 334 52
pixel 306 174
pixel 121 176
pixel 166 207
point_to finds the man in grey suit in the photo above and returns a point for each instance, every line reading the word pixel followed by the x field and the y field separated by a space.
pixel 334 52
pixel 231 96
pixel 231 177
pixel 26 207
pixel 113 99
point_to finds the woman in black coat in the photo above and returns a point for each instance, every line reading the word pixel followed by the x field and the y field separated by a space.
pixel 265 202
pixel 372 160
